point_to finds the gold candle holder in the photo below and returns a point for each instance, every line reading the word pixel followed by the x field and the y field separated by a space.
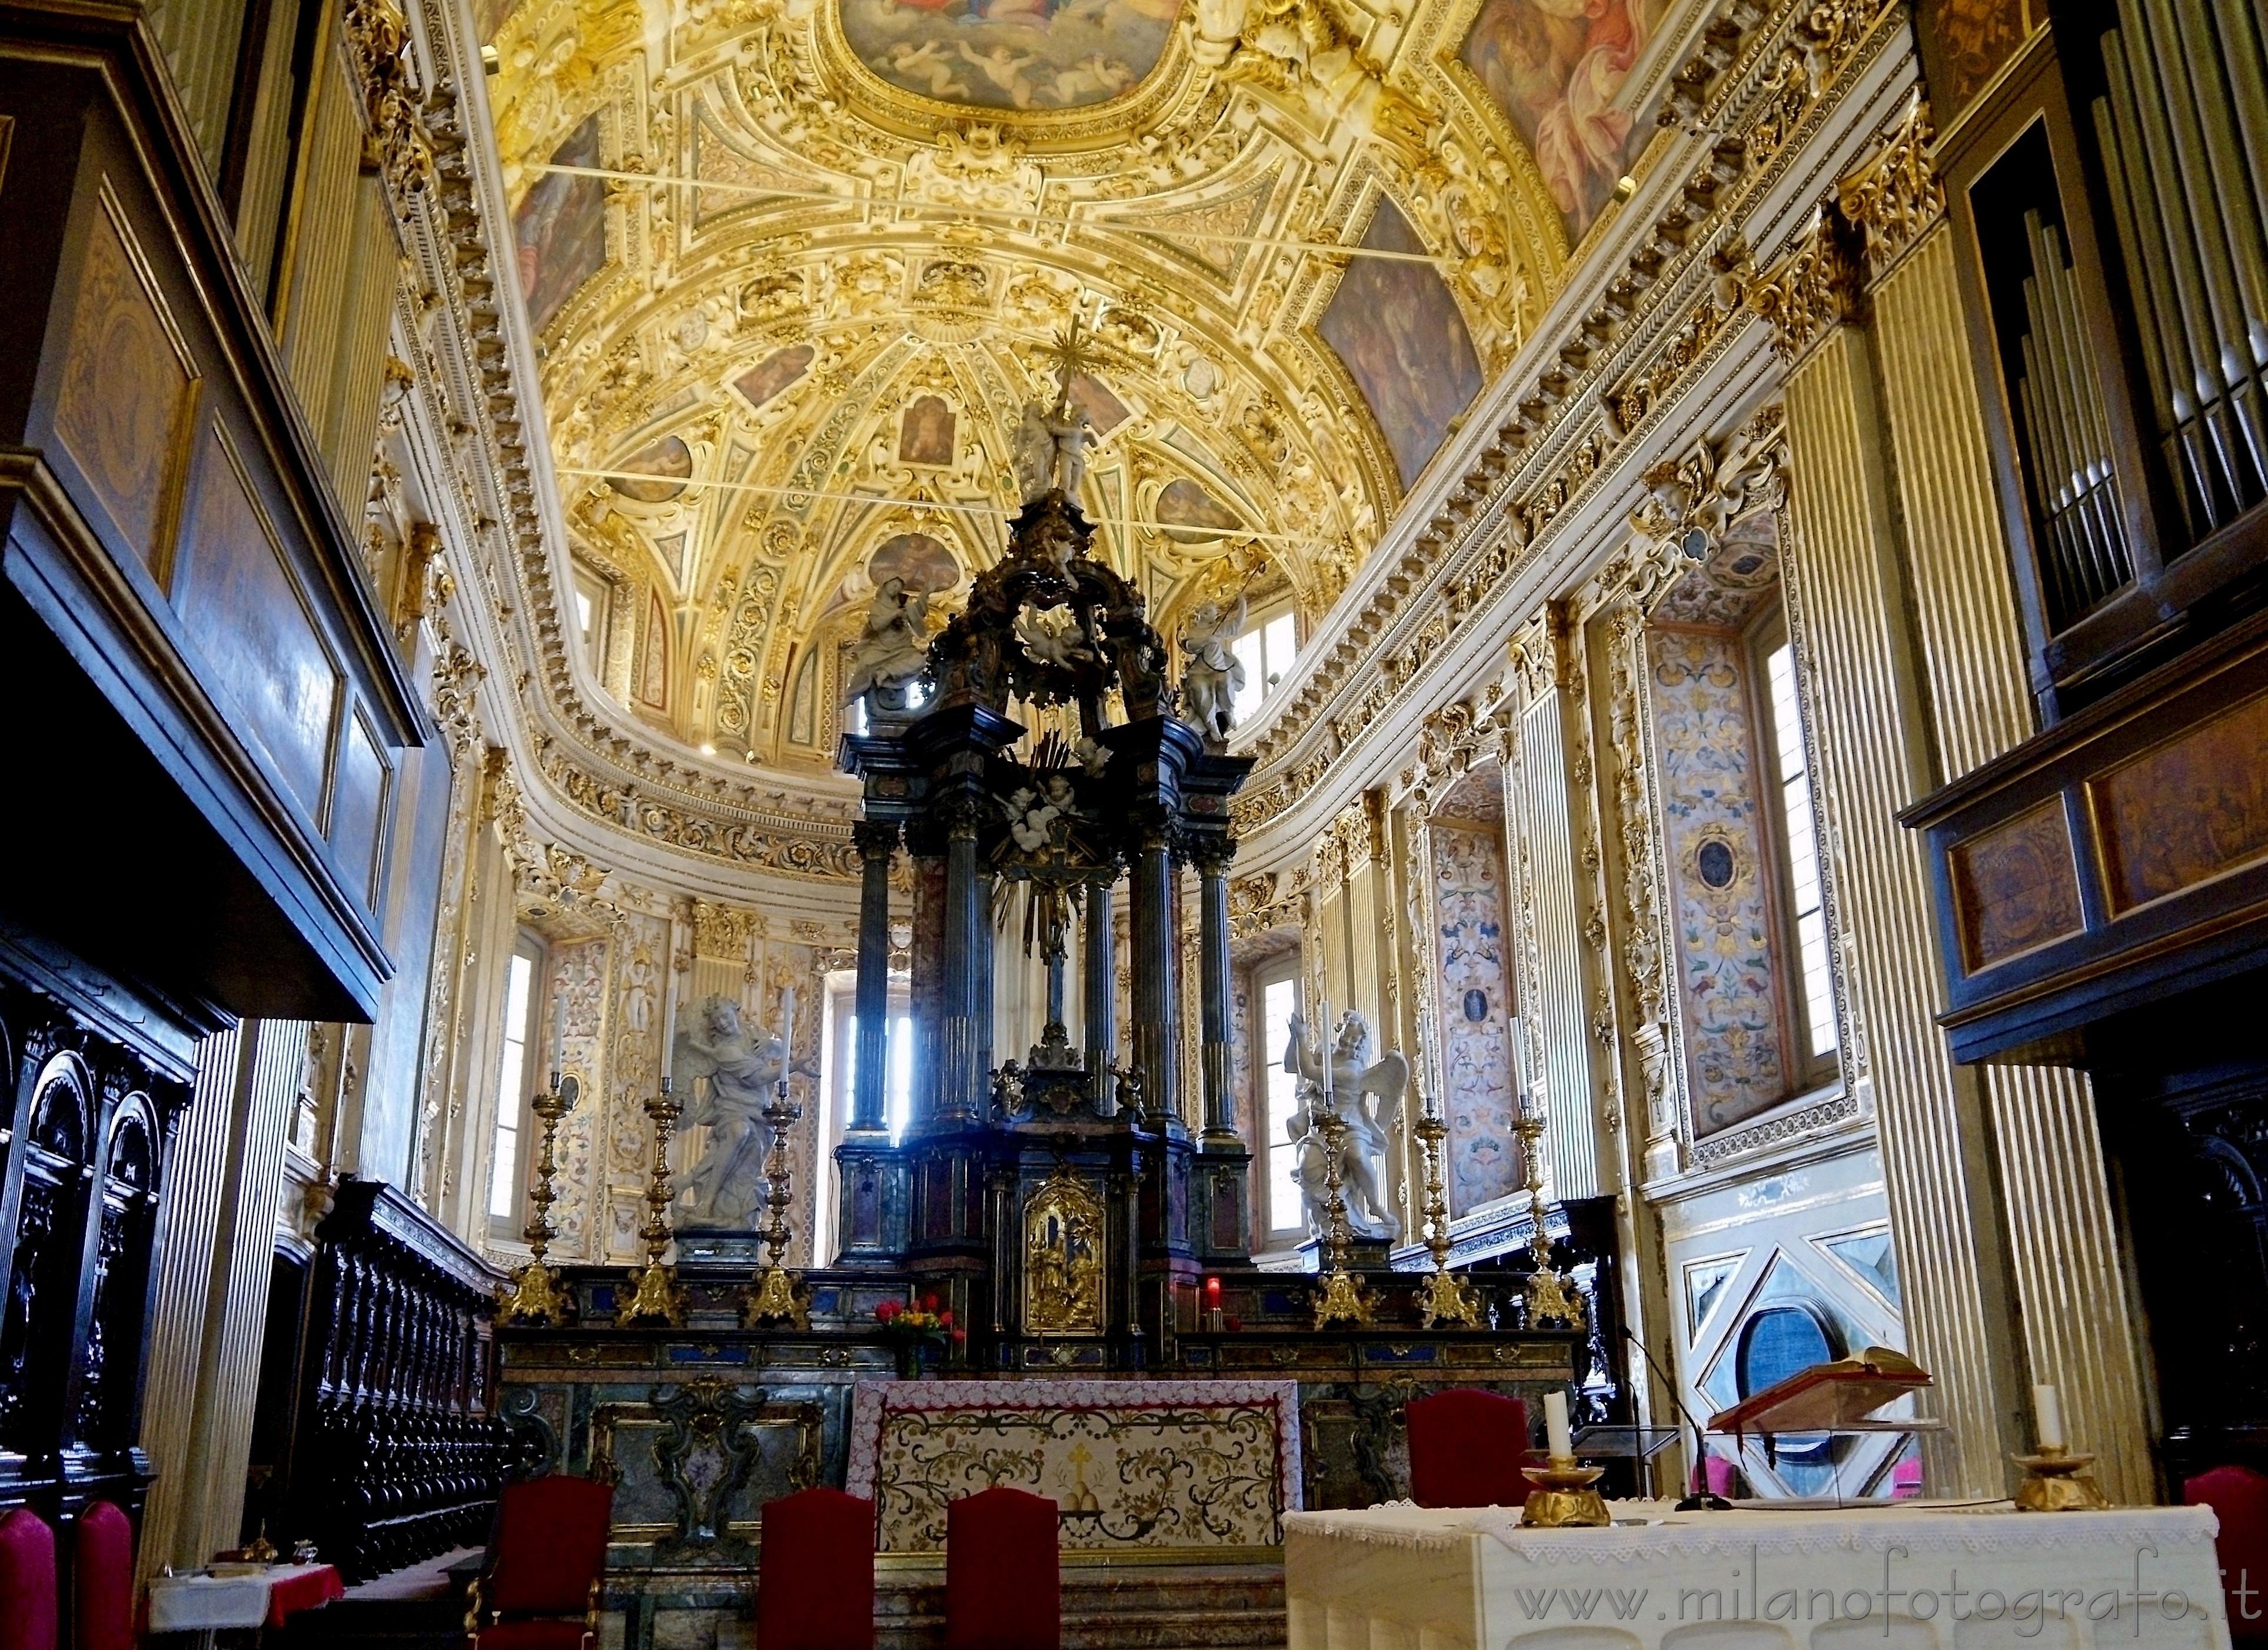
pixel 1550 1301
pixel 658 1299
pixel 534 1293
pixel 2057 1481
pixel 775 1298
pixel 1444 1297
pixel 1563 1498
pixel 1341 1300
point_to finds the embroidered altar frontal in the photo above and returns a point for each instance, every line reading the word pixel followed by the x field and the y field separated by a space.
pixel 1152 1465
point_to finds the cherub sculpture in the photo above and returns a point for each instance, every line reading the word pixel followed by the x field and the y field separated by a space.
pixel 893 650
pixel 1369 1126
pixel 726 1188
pixel 1211 676
pixel 1031 818
pixel 1060 642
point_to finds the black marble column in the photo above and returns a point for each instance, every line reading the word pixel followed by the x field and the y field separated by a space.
pixel 1151 900
pixel 967 976
pixel 878 840
pixel 1213 859
pixel 1101 964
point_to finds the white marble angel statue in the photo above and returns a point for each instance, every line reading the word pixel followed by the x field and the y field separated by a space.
pixel 1213 676
pixel 893 650
pixel 1368 1098
pixel 1048 449
pixel 726 1188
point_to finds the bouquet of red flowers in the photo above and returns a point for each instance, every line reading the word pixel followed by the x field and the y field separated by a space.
pixel 915 1329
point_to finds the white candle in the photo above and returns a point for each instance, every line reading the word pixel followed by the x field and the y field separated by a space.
pixel 2047 1414
pixel 559 1030
pixel 668 1045
pixel 1327 1050
pixel 787 1022
pixel 1554 1426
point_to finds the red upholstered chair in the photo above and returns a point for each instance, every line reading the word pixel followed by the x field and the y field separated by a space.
pixel 102 1580
pixel 1467 1446
pixel 815 1573
pixel 547 1568
pixel 1003 1588
pixel 27 1582
pixel 2239 1498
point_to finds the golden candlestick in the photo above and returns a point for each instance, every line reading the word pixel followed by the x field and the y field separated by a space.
pixel 775 1298
pixel 533 1295
pixel 1444 1298
pixel 2055 1480
pixel 1563 1498
pixel 1341 1299
pixel 1549 1300
pixel 658 1299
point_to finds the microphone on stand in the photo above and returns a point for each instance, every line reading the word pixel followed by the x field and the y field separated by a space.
pixel 1701 1498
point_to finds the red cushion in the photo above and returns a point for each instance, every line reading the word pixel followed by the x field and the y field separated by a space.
pixel 2239 1498
pixel 551 1545
pixel 815 1573
pixel 1467 1446
pixel 102 1580
pixel 27 1582
pixel 532 1635
pixel 1002 1590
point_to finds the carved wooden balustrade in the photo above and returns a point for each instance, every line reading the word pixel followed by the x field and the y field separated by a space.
pixel 398 1454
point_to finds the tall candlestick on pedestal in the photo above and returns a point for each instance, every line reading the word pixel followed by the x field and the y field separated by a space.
pixel 1549 1302
pixel 775 1298
pixel 658 1299
pixel 1444 1297
pixel 533 1295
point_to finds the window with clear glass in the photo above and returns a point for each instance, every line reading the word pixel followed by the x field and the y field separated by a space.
pixel 1278 989
pixel 508 1160
pixel 1265 650
pixel 1800 891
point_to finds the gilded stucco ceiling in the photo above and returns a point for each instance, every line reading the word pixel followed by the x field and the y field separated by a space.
pixel 795 266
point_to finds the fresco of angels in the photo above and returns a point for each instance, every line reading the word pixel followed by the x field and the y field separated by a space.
pixel 1035 54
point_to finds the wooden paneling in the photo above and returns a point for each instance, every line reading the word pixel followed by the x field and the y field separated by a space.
pixel 129 388
pixel 2016 887
pixel 259 641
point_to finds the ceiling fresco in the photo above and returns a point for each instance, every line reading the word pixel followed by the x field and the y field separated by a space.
pixel 796 266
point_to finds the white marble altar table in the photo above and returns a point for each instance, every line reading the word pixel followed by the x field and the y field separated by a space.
pixel 1904 1576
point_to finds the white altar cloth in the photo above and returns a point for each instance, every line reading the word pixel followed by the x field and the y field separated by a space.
pixel 1905 1576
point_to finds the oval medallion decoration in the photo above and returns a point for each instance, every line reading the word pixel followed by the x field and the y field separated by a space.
pixel 1714 861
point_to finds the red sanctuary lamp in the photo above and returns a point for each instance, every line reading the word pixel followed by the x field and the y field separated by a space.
pixel 1212 1304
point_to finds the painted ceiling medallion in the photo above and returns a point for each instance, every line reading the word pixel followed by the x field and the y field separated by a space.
pixel 1020 55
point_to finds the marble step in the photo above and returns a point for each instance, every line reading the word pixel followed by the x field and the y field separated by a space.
pixel 1130 1606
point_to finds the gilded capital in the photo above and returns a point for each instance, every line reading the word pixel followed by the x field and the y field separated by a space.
pixel 1896 196
pixel 1815 288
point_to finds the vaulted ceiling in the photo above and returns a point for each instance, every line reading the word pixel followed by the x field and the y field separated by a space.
pixel 795 266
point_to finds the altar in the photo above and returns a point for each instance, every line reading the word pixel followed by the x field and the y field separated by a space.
pixel 1911 1575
